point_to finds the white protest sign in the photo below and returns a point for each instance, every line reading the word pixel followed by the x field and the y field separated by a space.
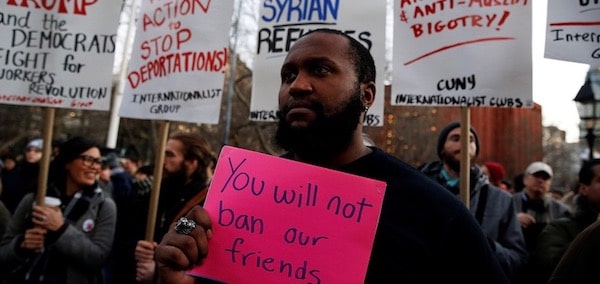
pixel 180 55
pixel 58 53
pixel 462 53
pixel 281 23
pixel 573 31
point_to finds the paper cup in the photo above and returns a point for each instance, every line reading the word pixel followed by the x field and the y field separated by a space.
pixel 52 201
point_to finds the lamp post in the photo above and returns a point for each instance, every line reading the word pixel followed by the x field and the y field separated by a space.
pixel 588 106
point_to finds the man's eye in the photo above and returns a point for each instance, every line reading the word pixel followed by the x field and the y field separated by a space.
pixel 320 69
pixel 287 76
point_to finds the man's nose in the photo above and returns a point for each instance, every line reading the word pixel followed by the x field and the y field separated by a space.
pixel 301 85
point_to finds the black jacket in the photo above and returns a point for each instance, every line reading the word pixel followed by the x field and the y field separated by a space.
pixel 425 235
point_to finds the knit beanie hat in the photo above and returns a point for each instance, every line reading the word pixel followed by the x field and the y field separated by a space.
pixel 444 135
pixel 35 143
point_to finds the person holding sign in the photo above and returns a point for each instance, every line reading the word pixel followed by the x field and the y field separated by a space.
pixel 188 168
pixel 327 86
pixel 68 240
pixel 492 207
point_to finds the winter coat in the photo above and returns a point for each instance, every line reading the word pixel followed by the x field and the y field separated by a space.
pixel 82 247
pixel 556 237
pixel 498 217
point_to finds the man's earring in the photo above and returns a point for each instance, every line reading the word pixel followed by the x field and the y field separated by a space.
pixel 366 108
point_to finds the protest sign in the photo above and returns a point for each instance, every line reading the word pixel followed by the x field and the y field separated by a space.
pixel 280 221
pixel 178 63
pixel 58 53
pixel 462 53
pixel 280 24
pixel 573 31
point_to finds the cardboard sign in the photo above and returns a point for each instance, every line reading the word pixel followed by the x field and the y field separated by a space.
pixel 281 221
pixel 178 62
pixel 462 54
pixel 58 53
pixel 281 23
pixel 572 31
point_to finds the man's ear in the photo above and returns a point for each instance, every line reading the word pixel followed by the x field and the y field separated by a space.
pixel 368 97
pixel 583 189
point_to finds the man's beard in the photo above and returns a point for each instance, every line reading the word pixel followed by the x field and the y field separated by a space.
pixel 178 178
pixel 326 136
pixel 453 163
pixel 449 160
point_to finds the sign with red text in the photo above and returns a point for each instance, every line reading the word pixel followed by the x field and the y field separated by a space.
pixel 462 53
pixel 58 53
pixel 573 31
pixel 280 221
pixel 177 67
pixel 281 23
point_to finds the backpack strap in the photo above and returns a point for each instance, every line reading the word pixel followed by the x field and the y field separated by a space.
pixel 481 203
pixel 197 199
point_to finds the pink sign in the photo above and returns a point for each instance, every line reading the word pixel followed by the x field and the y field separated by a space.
pixel 281 221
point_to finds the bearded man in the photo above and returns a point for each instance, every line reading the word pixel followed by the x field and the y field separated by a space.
pixel 327 87
pixel 493 208
pixel 188 169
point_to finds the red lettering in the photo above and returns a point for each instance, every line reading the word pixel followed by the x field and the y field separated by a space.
pixel 78 7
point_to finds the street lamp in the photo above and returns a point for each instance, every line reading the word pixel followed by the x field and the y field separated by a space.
pixel 588 106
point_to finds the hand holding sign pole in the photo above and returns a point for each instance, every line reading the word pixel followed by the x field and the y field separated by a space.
pixel 157 179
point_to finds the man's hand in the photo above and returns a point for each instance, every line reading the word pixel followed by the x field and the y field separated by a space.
pixel 34 239
pixel 178 252
pixel 525 219
pixel 144 261
pixel 145 271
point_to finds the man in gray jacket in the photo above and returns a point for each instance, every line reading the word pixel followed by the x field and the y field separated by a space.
pixel 493 208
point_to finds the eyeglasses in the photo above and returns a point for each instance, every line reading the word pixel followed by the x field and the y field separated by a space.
pixel 89 161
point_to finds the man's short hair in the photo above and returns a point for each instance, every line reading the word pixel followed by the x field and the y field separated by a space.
pixel 364 65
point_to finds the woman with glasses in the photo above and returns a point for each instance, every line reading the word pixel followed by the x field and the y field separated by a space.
pixel 70 242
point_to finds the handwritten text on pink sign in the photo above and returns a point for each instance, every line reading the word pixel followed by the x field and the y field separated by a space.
pixel 280 221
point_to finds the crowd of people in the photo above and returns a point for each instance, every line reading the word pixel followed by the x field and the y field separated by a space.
pixel 97 230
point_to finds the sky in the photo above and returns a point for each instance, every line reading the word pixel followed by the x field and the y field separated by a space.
pixel 555 82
